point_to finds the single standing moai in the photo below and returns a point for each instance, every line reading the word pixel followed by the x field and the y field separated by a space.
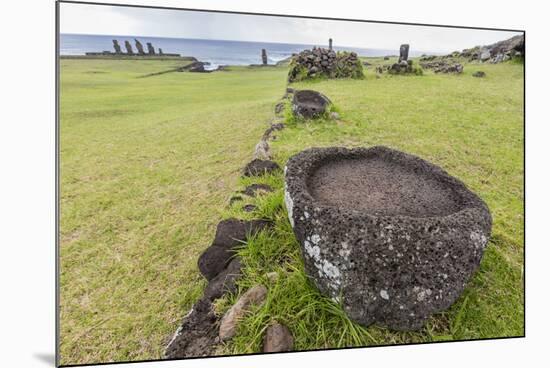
pixel 330 43
pixel 160 51
pixel 264 57
pixel 404 52
pixel 128 48
pixel 139 47
pixel 117 47
pixel 150 48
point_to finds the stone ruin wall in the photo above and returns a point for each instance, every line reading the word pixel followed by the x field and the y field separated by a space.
pixel 327 63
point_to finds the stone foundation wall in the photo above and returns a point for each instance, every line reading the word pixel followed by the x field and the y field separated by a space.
pixel 325 63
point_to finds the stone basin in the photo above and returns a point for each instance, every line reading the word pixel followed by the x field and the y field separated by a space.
pixel 309 104
pixel 390 236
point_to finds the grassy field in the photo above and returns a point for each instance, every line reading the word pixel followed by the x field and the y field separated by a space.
pixel 148 165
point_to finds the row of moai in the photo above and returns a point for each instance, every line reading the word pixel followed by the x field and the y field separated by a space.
pixel 139 47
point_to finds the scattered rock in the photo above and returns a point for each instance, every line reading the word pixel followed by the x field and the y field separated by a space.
pixel 450 68
pixel 234 199
pixel 213 260
pixel 405 67
pixel 257 189
pixel 443 66
pixel 272 276
pixel 278 338
pixel 197 334
pixel 233 232
pixel 262 150
pixel 279 107
pixel 334 115
pixel 274 127
pixel 224 282
pixel 426 232
pixel 260 167
pixel 249 208
pixel 290 90
pixel 253 296
pixel 479 74
pixel 494 53
pixel 309 104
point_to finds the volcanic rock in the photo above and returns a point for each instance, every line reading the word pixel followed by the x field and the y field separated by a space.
pixel 249 208
pixel 260 167
pixel 255 189
pixel 233 232
pixel 224 282
pixel 391 237
pixel 197 334
pixel 262 150
pixel 253 296
pixel 278 338
pixel 309 104
pixel 213 260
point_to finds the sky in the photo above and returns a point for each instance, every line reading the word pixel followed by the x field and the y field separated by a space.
pixel 115 20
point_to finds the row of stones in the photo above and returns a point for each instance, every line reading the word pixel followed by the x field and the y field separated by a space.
pixel 201 329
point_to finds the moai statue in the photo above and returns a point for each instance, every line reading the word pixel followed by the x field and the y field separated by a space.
pixel 160 51
pixel 150 48
pixel 117 47
pixel 264 57
pixel 139 47
pixel 128 48
pixel 330 43
pixel 404 52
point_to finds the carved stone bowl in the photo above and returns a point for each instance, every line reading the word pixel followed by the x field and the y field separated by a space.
pixel 390 236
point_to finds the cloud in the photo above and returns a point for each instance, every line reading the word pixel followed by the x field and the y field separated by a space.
pixel 113 20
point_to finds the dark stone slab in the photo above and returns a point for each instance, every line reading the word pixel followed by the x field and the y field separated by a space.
pixel 392 235
pixel 224 282
pixel 234 199
pixel 264 57
pixel 253 189
pixel 309 104
pixel 197 334
pixel 249 208
pixel 260 167
pixel 213 260
pixel 479 74
pixel 233 232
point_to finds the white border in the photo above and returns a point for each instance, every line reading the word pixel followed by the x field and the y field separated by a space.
pixel 27 183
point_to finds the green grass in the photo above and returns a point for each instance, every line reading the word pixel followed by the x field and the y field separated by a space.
pixel 148 166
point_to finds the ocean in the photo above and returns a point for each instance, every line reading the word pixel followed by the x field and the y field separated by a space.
pixel 215 52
